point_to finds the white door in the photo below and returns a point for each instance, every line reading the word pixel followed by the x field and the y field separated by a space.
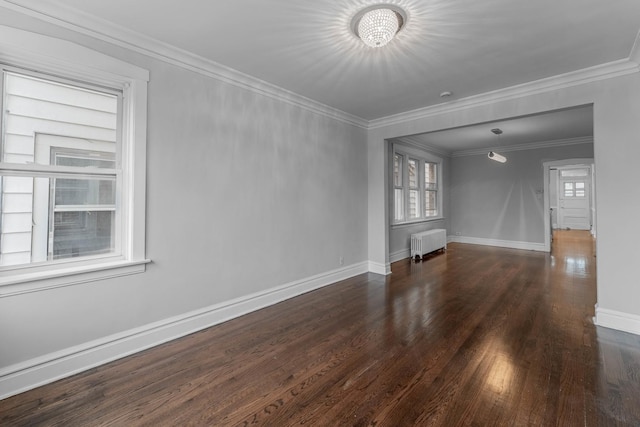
pixel 574 196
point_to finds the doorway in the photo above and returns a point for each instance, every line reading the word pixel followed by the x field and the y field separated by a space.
pixel 569 196
pixel 574 197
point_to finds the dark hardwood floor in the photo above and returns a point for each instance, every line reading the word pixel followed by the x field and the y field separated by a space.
pixel 475 336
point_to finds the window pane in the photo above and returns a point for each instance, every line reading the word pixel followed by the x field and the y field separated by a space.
pixel 568 186
pixel 83 217
pixel 84 192
pixel 430 175
pixel 397 170
pixel 568 193
pixel 82 233
pixel 580 185
pixel 83 162
pixel 55 218
pixel 431 203
pixel 580 193
pixel 17 219
pixel 574 172
pixel 40 114
pixel 413 173
pixel 399 204
pixel 414 203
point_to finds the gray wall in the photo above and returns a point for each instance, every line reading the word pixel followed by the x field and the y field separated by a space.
pixel 616 100
pixel 244 193
pixel 304 176
pixel 499 201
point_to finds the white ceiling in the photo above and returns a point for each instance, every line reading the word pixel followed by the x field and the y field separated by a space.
pixel 560 126
pixel 468 47
pixel 464 46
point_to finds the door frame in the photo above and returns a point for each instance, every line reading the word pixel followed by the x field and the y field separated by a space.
pixel 587 197
pixel 546 166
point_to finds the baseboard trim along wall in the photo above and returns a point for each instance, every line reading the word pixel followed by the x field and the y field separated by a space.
pixel 529 246
pixel 54 366
pixel 378 268
pixel 406 253
pixel 400 255
pixel 617 320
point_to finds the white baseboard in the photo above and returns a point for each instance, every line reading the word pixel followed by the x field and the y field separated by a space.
pixel 617 320
pixel 378 268
pixel 33 373
pixel 529 246
pixel 400 255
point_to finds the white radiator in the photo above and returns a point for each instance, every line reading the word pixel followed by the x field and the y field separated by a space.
pixel 428 241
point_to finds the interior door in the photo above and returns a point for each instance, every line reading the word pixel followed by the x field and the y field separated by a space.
pixel 574 195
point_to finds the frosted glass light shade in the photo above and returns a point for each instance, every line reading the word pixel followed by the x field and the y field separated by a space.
pixel 378 26
pixel 497 157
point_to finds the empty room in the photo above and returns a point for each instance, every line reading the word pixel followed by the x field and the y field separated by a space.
pixel 326 213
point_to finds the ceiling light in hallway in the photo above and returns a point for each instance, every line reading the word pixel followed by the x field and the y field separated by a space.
pixel 492 154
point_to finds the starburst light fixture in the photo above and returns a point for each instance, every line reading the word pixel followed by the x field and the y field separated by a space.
pixel 377 25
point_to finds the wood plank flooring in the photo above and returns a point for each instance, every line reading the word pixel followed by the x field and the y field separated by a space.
pixel 474 336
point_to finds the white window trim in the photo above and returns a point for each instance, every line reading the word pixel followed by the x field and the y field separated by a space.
pixel 59 57
pixel 417 188
pixel 67 150
pixel 395 187
pixel 422 157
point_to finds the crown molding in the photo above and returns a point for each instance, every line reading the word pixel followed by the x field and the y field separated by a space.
pixel 561 81
pixel 635 50
pixel 408 140
pixel 101 29
pixel 528 146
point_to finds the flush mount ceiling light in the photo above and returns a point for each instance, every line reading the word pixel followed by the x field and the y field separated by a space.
pixel 377 25
pixel 492 154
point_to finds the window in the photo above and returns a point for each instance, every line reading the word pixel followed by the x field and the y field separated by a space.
pixel 430 189
pixel 574 189
pixel 59 172
pixel 398 190
pixel 416 186
pixel 414 190
pixel 81 211
pixel 72 161
pixel 569 173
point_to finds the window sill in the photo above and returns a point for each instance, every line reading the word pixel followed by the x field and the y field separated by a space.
pixel 22 283
pixel 416 222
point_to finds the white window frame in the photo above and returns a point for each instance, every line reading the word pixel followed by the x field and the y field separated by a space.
pixel 54 208
pixel 56 57
pixel 414 188
pixel 421 157
pixel 398 186
pixel 44 143
pixel 426 190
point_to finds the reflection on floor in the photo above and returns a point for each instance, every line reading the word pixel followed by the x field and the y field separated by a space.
pixel 476 335
pixel 574 251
